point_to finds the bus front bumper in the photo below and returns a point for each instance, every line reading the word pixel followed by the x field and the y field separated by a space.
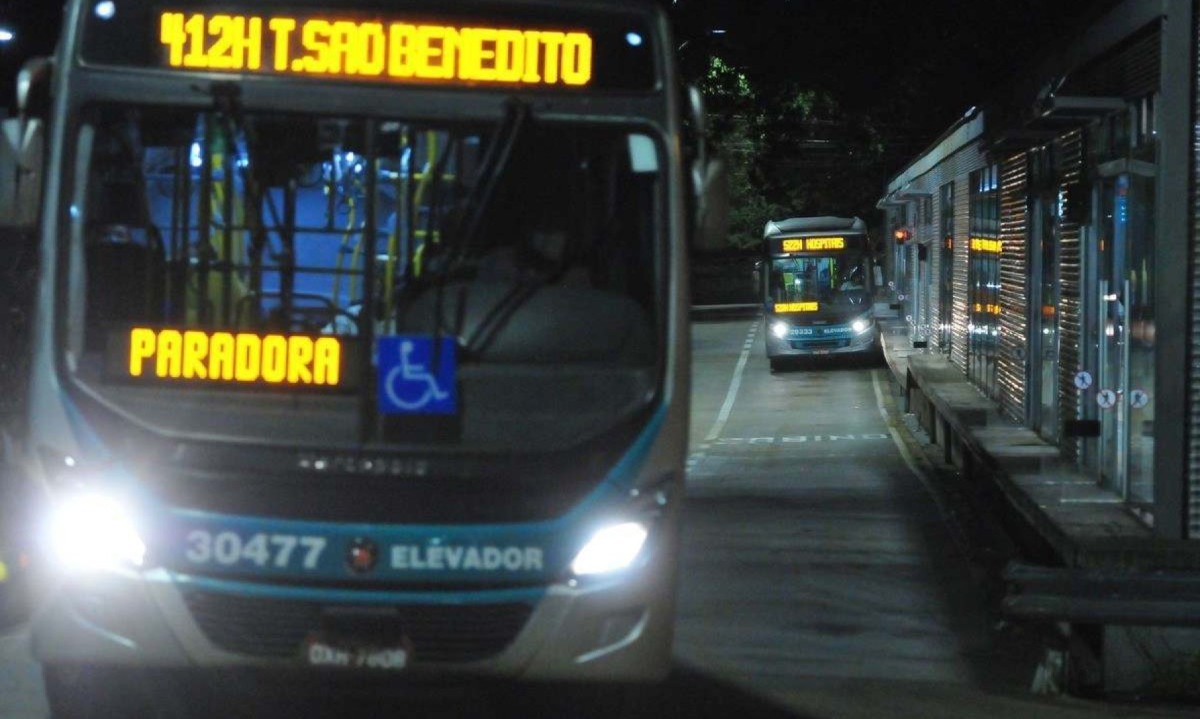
pixel 613 629
pixel 816 346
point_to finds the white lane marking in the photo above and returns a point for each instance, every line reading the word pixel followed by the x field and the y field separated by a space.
pixel 734 386
pixel 903 448
pixel 801 439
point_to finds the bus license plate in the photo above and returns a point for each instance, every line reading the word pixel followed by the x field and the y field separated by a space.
pixel 333 653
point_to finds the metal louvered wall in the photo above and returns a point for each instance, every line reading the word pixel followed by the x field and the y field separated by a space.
pixel 935 266
pixel 962 230
pixel 1193 405
pixel 1011 363
pixel 1069 156
pixel 1131 71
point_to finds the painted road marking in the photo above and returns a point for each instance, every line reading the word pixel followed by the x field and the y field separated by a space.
pixel 800 439
pixel 734 385
pixel 909 462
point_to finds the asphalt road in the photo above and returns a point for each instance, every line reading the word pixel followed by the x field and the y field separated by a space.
pixel 819 578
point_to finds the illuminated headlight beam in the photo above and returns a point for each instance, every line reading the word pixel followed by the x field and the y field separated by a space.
pixel 610 549
pixel 93 531
pixel 780 329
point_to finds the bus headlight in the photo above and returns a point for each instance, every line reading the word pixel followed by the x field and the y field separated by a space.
pixel 860 325
pixel 610 549
pixel 780 329
pixel 93 531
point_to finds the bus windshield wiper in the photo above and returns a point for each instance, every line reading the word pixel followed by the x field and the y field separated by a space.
pixel 463 235
pixel 495 163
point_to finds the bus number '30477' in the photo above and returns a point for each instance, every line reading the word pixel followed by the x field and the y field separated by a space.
pixel 282 551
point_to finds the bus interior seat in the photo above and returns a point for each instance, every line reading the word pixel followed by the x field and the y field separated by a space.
pixel 507 322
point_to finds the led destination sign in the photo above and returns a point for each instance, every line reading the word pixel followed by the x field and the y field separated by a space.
pixel 782 307
pixel 814 244
pixel 382 50
pixel 986 245
pixel 796 245
pixel 200 357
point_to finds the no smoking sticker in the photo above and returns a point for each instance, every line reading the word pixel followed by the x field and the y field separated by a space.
pixel 1083 380
pixel 1138 399
pixel 1107 399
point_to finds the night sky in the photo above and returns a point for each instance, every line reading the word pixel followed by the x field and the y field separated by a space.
pixel 923 62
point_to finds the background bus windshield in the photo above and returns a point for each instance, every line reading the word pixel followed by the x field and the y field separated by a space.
pixel 838 279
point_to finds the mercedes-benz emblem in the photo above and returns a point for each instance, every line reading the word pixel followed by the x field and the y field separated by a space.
pixel 362 556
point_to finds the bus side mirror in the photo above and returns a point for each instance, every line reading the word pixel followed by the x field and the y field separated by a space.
pixel 33 88
pixel 710 182
pixel 22 147
pixel 712 206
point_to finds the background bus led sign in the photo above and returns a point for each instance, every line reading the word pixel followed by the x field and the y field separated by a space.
pixel 789 307
pixel 375 50
pixel 813 244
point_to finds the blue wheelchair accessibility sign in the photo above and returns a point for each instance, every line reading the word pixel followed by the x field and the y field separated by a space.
pixel 410 382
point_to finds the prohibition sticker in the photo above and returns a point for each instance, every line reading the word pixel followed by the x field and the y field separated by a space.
pixel 1107 399
pixel 1083 380
pixel 1138 399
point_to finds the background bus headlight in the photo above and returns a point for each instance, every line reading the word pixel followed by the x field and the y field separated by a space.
pixel 860 325
pixel 610 549
pixel 780 329
pixel 93 531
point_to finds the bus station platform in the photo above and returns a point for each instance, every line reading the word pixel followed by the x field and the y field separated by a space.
pixel 1085 556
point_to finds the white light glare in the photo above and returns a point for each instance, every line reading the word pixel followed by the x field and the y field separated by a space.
pixel 7 35
pixel 106 9
pixel 779 329
pixel 610 549
pixel 860 325
pixel 92 531
pixel 634 39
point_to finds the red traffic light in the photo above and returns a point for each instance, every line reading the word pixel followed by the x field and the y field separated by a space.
pixel 902 235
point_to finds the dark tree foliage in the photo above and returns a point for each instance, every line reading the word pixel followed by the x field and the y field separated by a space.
pixel 819 103
pixel 792 152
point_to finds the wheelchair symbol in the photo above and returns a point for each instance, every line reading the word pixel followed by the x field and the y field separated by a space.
pixel 409 385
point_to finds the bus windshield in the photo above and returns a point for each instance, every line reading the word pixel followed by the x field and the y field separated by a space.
pixel 533 247
pixel 832 279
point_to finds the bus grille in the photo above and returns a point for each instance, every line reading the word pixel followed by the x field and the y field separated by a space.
pixel 277 628
pixel 820 344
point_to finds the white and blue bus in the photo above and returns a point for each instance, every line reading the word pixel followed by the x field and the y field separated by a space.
pixel 360 339
pixel 817 279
